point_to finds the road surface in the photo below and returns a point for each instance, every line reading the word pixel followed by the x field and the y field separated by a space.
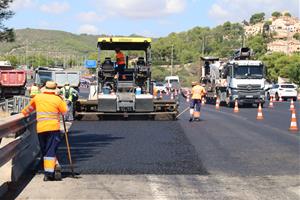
pixel 226 155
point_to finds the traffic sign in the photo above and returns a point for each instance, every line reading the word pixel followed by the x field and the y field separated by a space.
pixel 90 63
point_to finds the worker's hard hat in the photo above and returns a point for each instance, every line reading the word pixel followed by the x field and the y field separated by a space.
pixel 50 87
pixel 194 83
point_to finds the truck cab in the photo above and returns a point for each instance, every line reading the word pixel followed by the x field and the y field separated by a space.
pixel 245 79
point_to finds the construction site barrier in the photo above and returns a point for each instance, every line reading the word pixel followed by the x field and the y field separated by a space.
pixel 19 148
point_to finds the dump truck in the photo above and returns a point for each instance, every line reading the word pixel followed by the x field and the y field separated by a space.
pixel 59 75
pixel 239 78
pixel 12 81
pixel 132 96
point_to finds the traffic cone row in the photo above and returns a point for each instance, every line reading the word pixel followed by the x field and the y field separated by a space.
pixel 236 107
pixel 203 101
pixel 293 126
pixel 260 115
pixel 271 105
pixel 292 106
pixel 188 97
pixel 217 104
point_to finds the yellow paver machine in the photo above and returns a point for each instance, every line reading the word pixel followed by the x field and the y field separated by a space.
pixel 113 95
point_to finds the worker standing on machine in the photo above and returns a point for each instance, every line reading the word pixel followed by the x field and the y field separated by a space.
pixel 120 61
pixel 197 93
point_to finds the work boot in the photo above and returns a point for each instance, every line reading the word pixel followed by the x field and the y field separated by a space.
pixel 57 173
pixel 191 119
pixel 48 178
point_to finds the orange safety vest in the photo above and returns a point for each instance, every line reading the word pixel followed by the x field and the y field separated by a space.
pixel 197 92
pixel 120 58
pixel 48 107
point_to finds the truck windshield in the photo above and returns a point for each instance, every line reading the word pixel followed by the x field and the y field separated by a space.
pixel 43 77
pixel 248 72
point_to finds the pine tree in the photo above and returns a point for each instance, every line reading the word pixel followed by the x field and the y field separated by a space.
pixel 6 34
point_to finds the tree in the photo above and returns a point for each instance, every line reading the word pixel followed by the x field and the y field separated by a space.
pixel 287 14
pixel 297 36
pixel 256 18
pixel 6 34
pixel 276 14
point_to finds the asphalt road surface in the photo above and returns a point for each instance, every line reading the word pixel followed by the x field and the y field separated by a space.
pixel 226 155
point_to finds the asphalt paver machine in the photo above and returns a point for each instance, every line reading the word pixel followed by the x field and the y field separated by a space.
pixel 129 94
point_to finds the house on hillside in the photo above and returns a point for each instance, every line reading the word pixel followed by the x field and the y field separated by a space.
pixel 284 46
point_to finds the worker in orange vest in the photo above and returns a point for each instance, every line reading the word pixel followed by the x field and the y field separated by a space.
pixel 48 107
pixel 120 61
pixel 197 93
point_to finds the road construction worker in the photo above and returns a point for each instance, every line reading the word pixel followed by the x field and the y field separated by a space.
pixel 120 63
pixel 197 93
pixel 34 90
pixel 69 94
pixel 48 107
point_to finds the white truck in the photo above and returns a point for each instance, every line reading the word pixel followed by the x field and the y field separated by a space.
pixel 239 79
pixel 59 75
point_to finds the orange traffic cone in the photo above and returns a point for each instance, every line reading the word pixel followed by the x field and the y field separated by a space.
pixel 172 96
pixel 217 104
pixel 188 97
pixel 292 106
pixel 280 99
pixel 176 93
pixel 260 115
pixel 236 107
pixel 203 101
pixel 271 105
pixel 293 126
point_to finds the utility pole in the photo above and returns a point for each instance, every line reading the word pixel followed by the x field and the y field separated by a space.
pixel 203 44
pixel 172 54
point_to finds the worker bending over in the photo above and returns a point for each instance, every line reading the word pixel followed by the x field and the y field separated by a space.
pixel 48 107
pixel 197 93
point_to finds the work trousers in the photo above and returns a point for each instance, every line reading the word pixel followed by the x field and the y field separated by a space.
pixel 49 142
pixel 197 103
pixel 69 115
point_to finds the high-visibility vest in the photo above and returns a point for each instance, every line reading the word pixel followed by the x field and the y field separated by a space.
pixel 120 58
pixel 68 92
pixel 197 92
pixel 34 90
pixel 48 107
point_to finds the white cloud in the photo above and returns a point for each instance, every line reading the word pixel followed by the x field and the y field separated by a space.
pixel 142 9
pixel 238 10
pixel 55 7
pixel 22 4
pixel 89 17
pixel 88 29
pixel 217 11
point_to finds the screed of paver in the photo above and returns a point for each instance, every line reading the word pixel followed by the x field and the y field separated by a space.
pixel 164 187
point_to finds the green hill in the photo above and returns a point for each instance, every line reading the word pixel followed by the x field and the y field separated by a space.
pixel 38 41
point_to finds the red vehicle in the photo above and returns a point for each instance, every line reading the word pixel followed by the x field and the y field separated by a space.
pixel 12 81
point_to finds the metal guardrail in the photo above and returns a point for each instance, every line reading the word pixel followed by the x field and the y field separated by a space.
pixel 15 104
pixel 16 126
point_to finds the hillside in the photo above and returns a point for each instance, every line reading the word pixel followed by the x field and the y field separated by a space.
pixel 37 41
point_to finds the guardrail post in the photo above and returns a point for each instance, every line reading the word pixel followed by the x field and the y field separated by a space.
pixel 6 105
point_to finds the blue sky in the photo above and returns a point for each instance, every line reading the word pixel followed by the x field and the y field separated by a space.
pixel 152 18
